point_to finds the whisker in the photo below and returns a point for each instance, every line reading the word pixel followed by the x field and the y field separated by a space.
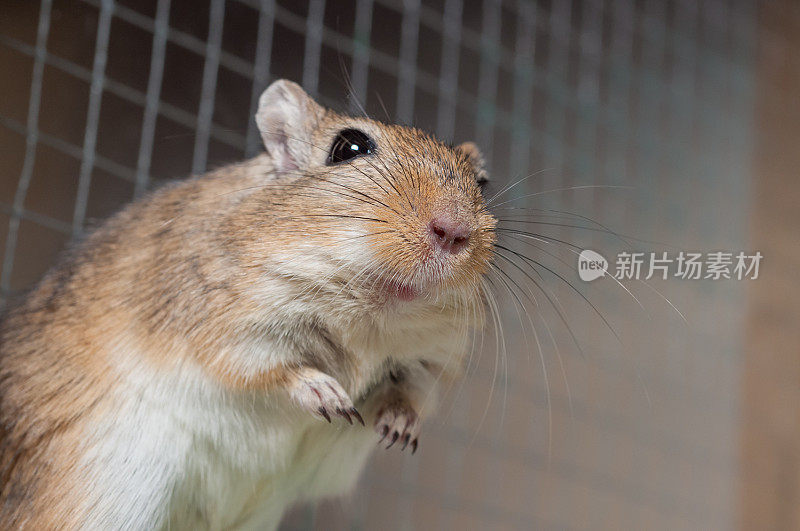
pixel 571 248
pixel 568 283
pixel 556 306
pixel 624 238
pixel 566 189
pixel 509 187
pixel 349 86
pixel 333 216
pixel 553 224
pixel 539 351
pixel 500 346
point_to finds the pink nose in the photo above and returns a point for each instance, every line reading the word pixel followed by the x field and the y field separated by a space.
pixel 448 235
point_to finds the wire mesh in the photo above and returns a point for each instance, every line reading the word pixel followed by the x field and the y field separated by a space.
pixel 121 96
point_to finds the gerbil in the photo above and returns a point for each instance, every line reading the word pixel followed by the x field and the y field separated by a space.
pixel 207 356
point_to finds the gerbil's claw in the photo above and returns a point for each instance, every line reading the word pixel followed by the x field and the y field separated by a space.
pixel 324 413
pixel 413 447
pixel 385 432
pixel 322 394
pixel 400 421
pixel 344 414
pixel 395 436
pixel 357 415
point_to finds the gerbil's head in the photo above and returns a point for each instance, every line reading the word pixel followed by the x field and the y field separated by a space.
pixel 367 210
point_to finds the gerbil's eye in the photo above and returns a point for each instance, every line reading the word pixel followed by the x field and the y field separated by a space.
pixel 348 144
pixel 483 182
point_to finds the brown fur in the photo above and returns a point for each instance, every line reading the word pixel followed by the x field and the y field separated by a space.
pixel 174 274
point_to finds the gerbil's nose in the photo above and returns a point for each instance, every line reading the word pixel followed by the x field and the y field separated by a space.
pixel 448 235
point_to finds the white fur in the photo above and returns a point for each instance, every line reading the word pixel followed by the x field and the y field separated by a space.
pixel 180 452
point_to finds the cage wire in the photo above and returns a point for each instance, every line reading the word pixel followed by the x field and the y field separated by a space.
pixel 106 99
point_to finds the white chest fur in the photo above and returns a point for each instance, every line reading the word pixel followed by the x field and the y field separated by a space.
pixel 210 460
pixel 181 452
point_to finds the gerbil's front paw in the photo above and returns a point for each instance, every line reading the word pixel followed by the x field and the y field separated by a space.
pixel 323 395
pixel 397 421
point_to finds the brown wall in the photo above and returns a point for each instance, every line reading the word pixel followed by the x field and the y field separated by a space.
pixel 771 419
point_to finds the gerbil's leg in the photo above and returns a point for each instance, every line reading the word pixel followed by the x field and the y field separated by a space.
pixel 321 394
pixel 400 403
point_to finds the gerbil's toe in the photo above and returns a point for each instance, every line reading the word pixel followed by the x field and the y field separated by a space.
pixel 324 396
pixel 398 423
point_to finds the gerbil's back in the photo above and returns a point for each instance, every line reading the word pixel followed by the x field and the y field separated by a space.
pixel 49 387
pixel 55 373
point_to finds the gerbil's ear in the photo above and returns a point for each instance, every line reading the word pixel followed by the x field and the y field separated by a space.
pixel 470 149
pixel 287 118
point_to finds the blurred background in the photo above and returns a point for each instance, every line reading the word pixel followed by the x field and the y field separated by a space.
pixel 628 125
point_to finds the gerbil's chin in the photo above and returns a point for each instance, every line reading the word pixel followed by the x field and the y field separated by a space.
pixel 395 293
pixel 402 292
pixel 390 293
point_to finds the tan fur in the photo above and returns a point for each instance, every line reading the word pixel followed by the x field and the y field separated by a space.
pixel 204 274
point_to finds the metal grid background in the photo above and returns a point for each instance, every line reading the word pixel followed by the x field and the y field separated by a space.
pixel 103 100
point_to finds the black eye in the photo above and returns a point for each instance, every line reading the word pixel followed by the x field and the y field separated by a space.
pixel 483 182
pixel 348 144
